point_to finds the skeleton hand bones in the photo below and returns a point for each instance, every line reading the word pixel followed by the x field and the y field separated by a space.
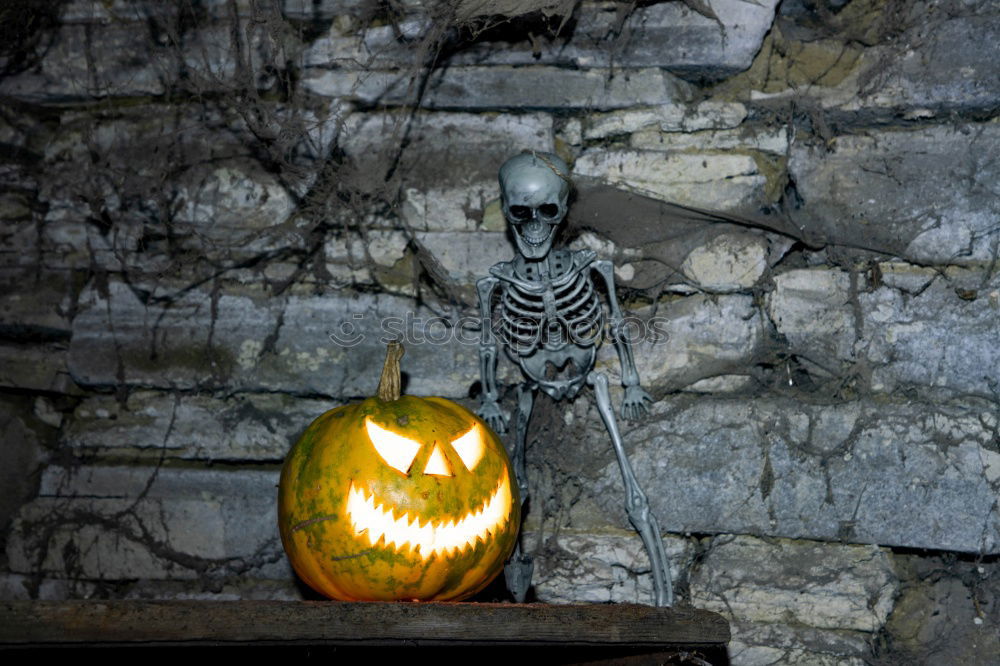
pixel 634 405
pixel 495 418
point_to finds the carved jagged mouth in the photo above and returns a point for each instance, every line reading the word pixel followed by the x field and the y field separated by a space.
pixel 399 529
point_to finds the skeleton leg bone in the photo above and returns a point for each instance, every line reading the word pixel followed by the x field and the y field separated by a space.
pixel 520 567
pixel 636 505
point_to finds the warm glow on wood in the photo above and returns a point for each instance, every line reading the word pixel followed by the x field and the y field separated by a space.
pixel 470 447
pixel 370 516
pixel 397 451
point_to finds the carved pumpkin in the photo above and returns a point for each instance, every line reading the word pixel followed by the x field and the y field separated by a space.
pixel 398 497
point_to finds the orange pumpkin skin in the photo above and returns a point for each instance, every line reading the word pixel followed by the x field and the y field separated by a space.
pixel 335 459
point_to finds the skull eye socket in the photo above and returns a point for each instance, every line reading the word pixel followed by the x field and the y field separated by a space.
pixel 548 210
pixel 397 451
pixel 520 213
pixel 470 447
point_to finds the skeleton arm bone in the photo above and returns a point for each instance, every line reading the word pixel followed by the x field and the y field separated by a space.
pixel 634 403
pixel 489 409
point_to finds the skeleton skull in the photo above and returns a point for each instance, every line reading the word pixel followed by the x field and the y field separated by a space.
pixel 534 189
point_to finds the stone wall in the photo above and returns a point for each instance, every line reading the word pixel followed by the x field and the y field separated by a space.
pixel 197 218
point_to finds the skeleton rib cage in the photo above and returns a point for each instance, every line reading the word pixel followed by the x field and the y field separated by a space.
pixel 533 315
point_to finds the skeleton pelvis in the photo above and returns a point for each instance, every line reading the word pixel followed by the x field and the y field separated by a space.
pixel 560 373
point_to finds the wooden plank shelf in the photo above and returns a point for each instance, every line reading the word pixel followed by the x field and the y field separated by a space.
pixel 26 624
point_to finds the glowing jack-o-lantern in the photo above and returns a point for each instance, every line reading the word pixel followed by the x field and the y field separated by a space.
pixel 398 497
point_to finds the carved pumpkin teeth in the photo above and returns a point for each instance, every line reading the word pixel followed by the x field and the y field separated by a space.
pixel 383 528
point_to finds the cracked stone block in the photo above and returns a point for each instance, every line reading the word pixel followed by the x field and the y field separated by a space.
pixel 910 279
pixel 36 367
pixel 938 337
pixel 231 205
pixel 218 203
pixel 14 587
pixel 729 262
pixel 98 13
pixel 945 607
pixel 347 262
pixel 672 36
pixel 605 248
pixel 939 61
pixel 667 118
pixel 95 55
pixel 201 136
pixel 582 567
pixel 109 68
pixel 821 69
pixel 150 424
pixel 385 248
pixel 349 257
pixel 19 243
pixel 18 133
pixel 691 339
pixel 320 132
pixel 23 453
pixel 245 339
pixel 499 87
pixel 439 151
pixel 320 10
pixel 812 309
pixel 569 132
pixel 13 205
pixel 113 523
pixel 795 602
pixel 750 138
pixel 105 11
pixel 765 644
pixel 667 35
pixel 908 473
pixel 35 305
pixel 68 243
pixel 458 208
pixel 944 60
pixel 95 541
pixel 466 257
pixel 277 272
pixel 720 384
pixel 935 339
pixel 897 191
pixel 349 45
pixel 46 411
pixel 820 585
pixel 705 180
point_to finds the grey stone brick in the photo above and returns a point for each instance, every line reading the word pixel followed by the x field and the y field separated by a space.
pixel 500 87
pixel 321 345
pixel 910 474
pixel 246 427
pixel 666 34
pixel 924 194
pixel 938 336
pixel 113 523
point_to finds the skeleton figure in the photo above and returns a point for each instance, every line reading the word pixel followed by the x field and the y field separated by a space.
pixel 545 308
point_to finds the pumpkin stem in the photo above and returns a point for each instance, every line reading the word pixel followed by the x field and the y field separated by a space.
pixel 389 383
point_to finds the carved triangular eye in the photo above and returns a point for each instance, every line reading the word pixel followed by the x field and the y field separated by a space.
pixel 470 447
pixel 397 451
